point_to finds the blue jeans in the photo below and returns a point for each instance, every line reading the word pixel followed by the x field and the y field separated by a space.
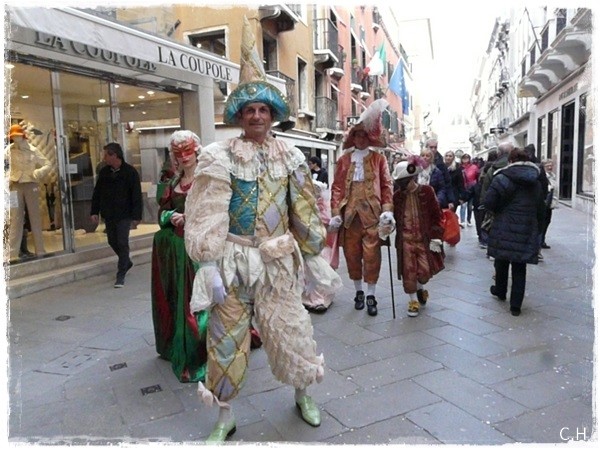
pixel 466 209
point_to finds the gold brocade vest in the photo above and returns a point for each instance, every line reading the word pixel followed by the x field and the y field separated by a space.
pixel 359 203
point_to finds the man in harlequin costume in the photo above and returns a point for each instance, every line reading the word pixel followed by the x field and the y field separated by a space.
pixel 361 203
pixel 252 224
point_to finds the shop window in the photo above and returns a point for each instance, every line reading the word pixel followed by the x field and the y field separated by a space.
pixel 542 144
pixel 585 150
pixel 553 135
pixel 28 102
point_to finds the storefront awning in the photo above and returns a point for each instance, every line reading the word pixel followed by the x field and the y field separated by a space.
pixel 67 34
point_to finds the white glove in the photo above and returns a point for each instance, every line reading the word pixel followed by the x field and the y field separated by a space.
pixel 208 288
pixel 387 225
pixel 386 218
pixel 218 288
pixel 335 222
pixel 435 245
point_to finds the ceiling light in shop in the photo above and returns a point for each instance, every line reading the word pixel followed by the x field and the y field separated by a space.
pixel 150 92
pixel 141 97
pixel 24 96
pixel 101 100
pixel 9 66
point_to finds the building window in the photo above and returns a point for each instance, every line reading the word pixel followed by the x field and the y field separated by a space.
pixel 544 40
pixel 561 20
pixel 302 85
pixel 298 9
pixel 270 53
pixel 532 56
pixel 585 150
pixel 210 41
pixel 524 67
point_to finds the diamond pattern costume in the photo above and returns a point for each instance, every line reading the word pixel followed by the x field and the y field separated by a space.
pixel 252 211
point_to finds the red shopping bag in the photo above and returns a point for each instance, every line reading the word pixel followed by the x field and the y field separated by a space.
pixel 451 227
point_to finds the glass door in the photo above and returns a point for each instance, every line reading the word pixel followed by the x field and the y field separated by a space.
pixel 85 120
pixel 143 120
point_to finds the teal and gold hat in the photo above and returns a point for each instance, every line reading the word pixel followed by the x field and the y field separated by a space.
pixel 253 85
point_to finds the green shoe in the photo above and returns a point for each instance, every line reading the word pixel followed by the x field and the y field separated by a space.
pixel 310 413
pixel 221 432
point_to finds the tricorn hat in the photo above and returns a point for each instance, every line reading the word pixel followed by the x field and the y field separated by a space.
pixel 253 86
pixel 405 169
pixel 370 122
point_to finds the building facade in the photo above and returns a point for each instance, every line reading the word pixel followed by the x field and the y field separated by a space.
pixel 535 87
pixel 80 78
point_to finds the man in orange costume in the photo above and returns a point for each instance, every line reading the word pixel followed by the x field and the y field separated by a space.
pixel 361 204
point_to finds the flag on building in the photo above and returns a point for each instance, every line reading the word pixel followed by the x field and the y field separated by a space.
pixel 377 64
pixel 398 86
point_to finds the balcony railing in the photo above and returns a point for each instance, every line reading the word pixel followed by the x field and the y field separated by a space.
pixel 326 37
pixel 290 87
pixel 327 112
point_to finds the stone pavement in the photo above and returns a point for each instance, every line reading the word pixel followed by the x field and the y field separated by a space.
pixel 83 369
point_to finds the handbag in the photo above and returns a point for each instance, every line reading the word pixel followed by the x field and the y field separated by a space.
pixel 486 223
pixel 451 227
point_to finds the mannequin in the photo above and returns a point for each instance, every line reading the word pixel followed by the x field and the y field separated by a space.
pixel 27 167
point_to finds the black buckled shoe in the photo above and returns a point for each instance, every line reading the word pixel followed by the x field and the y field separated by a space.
pixel 371 305
pixel 359 300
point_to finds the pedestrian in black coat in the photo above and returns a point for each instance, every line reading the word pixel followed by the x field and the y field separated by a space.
pixel 515 197
pixel 118 198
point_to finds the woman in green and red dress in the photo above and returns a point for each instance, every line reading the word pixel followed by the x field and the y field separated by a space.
pixel 180 334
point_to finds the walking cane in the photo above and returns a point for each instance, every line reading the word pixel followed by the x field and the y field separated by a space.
pixel 388 243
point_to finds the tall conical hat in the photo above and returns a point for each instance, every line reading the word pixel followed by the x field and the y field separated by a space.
pixel 253 85
pixel 369 121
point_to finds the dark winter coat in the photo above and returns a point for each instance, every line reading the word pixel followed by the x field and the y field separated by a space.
pixel 446 195
pixel 438 183
pixel 118 194
pixel 515 197
pixel 457 181
pixel 486 180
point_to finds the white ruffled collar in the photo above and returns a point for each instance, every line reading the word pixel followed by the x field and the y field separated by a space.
pixel 279 159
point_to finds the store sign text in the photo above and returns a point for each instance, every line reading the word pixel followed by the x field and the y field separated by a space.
pixel 568 92
pixel 76 48
pixel 195 64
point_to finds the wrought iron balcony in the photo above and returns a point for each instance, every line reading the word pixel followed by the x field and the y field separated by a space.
pixel 327 114
pixel 357 80
pixel 290 89
pixel 326 47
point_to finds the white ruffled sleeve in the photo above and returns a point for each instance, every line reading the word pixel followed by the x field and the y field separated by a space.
pixel 207 205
